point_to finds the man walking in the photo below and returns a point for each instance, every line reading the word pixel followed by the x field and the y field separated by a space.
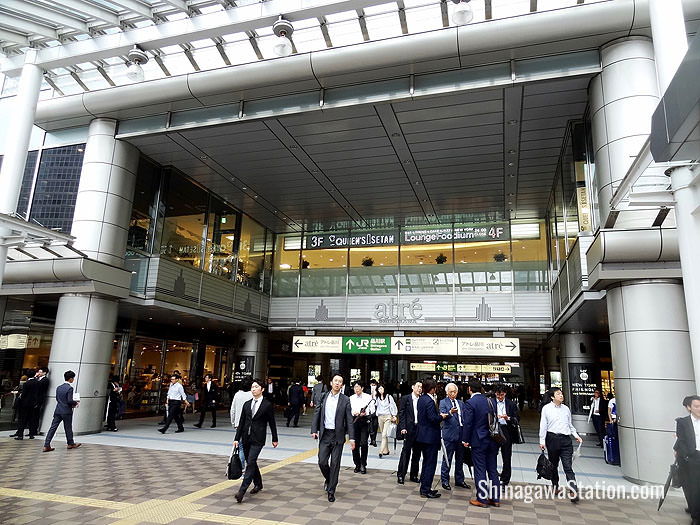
pixel 475 434
pixel 332 420
pixel 687 448
pixel 63 412
pixel 176 399
pixel 556 430
pixel 408 417
pixel 508 418
pixel 452 438
pixel 428 436
pixel 239 399
pixel 296 402
pixel 209 397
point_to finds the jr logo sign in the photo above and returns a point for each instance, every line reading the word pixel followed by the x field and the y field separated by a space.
pixel 398 313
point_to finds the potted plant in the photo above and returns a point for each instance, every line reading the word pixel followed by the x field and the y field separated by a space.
pixel 499 257
pixel 441 259
pixel 367 261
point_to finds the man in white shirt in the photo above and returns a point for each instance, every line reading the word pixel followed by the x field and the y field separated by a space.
pixel 176 399
pixel 556 430
pixel 362 407
pixel 597 418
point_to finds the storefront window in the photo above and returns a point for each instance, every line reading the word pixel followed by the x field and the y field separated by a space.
pixel 183 228
pixel 143 381
pixel 324 272
pixel 426 268
pixel 483 265
pixel 529 256
pixel 251 253
pixel 268 262
pixel 220 257
pixel 143 210
pixel 373 270
pixel 286 273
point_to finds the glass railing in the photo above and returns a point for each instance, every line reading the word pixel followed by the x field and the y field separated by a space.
pixel 137 264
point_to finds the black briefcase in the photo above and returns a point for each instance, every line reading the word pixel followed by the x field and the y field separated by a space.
pixel 235 468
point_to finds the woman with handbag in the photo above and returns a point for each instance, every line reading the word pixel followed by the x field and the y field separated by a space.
pixel 386 414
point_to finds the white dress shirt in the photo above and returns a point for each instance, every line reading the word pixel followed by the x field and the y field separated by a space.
pixel 176 392
pixel 414 398
pixel 501 411
pixel 330 410
pixel 459 410
pixel 361 402
pixel 556 419
pixel 255 405
pixel 237 406
pixel 696 427
pixel 596 406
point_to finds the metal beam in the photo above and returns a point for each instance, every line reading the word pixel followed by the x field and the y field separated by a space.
pixel 135 7
pixel 14 38
pixel 45 15
pixel 25 26
pixel 323 24
pixel 234 20
pixel 177 4
pixel 92 11
pixel 363 24
pixel 402 16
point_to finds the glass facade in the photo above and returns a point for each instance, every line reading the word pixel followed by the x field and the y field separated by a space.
pixel 27 184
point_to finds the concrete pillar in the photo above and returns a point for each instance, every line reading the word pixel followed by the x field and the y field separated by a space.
pixel 653 372
pixel 253 343
pixel 670 39
pixel 579 349
pixel 85 323
pixel 623 98
pixel 550 360
pixel 22 118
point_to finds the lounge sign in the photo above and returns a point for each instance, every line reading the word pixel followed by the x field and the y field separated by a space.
pixel 413 235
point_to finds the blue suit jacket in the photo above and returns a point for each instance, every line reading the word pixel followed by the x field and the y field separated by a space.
pixel 428 421
pixel 64 400
pixel 476 421
pixel 451 431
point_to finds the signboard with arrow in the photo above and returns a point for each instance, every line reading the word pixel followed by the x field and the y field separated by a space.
pixel 424 345
pixel 488 346
pixel 366 345
pixel 317 344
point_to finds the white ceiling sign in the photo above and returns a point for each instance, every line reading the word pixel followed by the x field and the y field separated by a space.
pixel 424 345
pixel 488 346
pixel 317 344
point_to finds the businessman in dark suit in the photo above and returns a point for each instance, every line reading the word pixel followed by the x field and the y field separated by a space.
pixel 209 396
pixel 408 414
pixel 332 420
pixel 63 412
pixel 25 407
pixel 475 433
pixel 256 415
pixel 452 438
pixel 508 418
pixel 42 391
pixel 428 435
pixel 687 450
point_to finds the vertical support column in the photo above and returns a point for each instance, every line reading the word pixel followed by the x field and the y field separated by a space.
pixel 253 343
pixel 85 323
pixel 550 362
pixel 15 158
pixel 578 349
pixel 623 98
pixel 651 355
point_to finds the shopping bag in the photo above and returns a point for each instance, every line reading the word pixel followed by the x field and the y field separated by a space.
pixel 577 452
pixel 391 430
pixel 234 469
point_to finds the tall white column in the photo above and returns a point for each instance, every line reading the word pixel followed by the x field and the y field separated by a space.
pixel 85 323
pixel 22 114
pixel 653 372
pixel 579 349
pixel 670 39
pixel 253 343
pixel 623 98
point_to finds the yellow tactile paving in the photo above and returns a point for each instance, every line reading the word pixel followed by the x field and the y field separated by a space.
pixel 236 520
pixel 61 498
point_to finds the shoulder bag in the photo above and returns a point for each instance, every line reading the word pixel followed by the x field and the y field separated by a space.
pixel 495 430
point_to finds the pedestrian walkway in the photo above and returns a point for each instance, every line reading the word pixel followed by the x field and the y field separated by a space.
pixel 137 475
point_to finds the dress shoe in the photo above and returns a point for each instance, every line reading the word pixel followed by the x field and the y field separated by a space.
pixel 238 496
pixel 430 495
pixel 161 430
pixel 213 426
pixel 363 470
pixel 14 435
pixel 446 486
pixel 331 497
pixel 494 503
pixel 256 490
pixel 357 468
pixel 373 443
pixel 48 449
pixel 74 445
pixel 179 430
pixel 198 425
pixel 31 437
pixel 380 455
pixel 19 438
pixel 477 503
pixel 415 480
pixel 576 498
pixel 399 480
pixel 463 485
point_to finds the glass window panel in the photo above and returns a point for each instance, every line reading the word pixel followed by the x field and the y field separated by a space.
pixel 384 26
pixel 481 266
pixel 373 270
pixel 530 262
pixel 324 272
pixel 310 39
pixel 425 18
pixel 286 273
pixel 183 228
pixel 176 63
pixel 178 357
pixel 381 8
pixel 251 253
pixel 343 16
pixel 346 33
pixel 432 264
pixel 143 210
pixel 220 256
pixel 142 384
pixel 269 259
pixel 506 8
pixel 240 52
pixel 546 5
pixel 208 58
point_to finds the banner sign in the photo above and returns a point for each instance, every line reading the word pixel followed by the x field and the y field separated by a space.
pixel 460 368
pixel 321 241
pixel 583 378
pixel 366 345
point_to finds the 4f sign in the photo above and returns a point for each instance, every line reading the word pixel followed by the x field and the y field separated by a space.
pixel 496 232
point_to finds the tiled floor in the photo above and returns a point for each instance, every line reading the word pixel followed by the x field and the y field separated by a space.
pixel 139 476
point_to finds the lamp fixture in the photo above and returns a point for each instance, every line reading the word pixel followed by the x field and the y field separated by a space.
pixel 283 29
pixel 134 71
pixel 463 13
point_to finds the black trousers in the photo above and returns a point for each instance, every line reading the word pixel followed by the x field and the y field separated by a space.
pixel 359 455
pixel 67 427
pixel 506 455
pixel 410 451
pixel 559 446
pixel 330 449
pixel 174 412
pixel 23 417
pixel 430 454
pixel 33 422
pixel 294 414
pixel 112 411
pixel 204 410
pixel 252 472
pixel 373 427
pixel 599 427
pixel 691 484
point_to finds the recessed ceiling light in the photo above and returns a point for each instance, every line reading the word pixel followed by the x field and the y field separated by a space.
pixel 512 151
pixel 244 188
pixel 512 122
pixel 511 164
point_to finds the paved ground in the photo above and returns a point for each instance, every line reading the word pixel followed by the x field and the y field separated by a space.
pixel 138 476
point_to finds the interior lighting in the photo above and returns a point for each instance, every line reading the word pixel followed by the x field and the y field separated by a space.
pixel 463 13
pixel 283 29
pixel 134 71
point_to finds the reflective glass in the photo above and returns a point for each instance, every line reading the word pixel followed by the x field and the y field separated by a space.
pixel 286 271
pixel 220 256
pixel 251 253
pixel 373 270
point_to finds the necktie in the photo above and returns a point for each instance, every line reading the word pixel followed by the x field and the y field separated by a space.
pixel 255 406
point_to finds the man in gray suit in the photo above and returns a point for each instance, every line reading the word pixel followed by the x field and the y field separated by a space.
pixel 332 420
pixel 64 412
